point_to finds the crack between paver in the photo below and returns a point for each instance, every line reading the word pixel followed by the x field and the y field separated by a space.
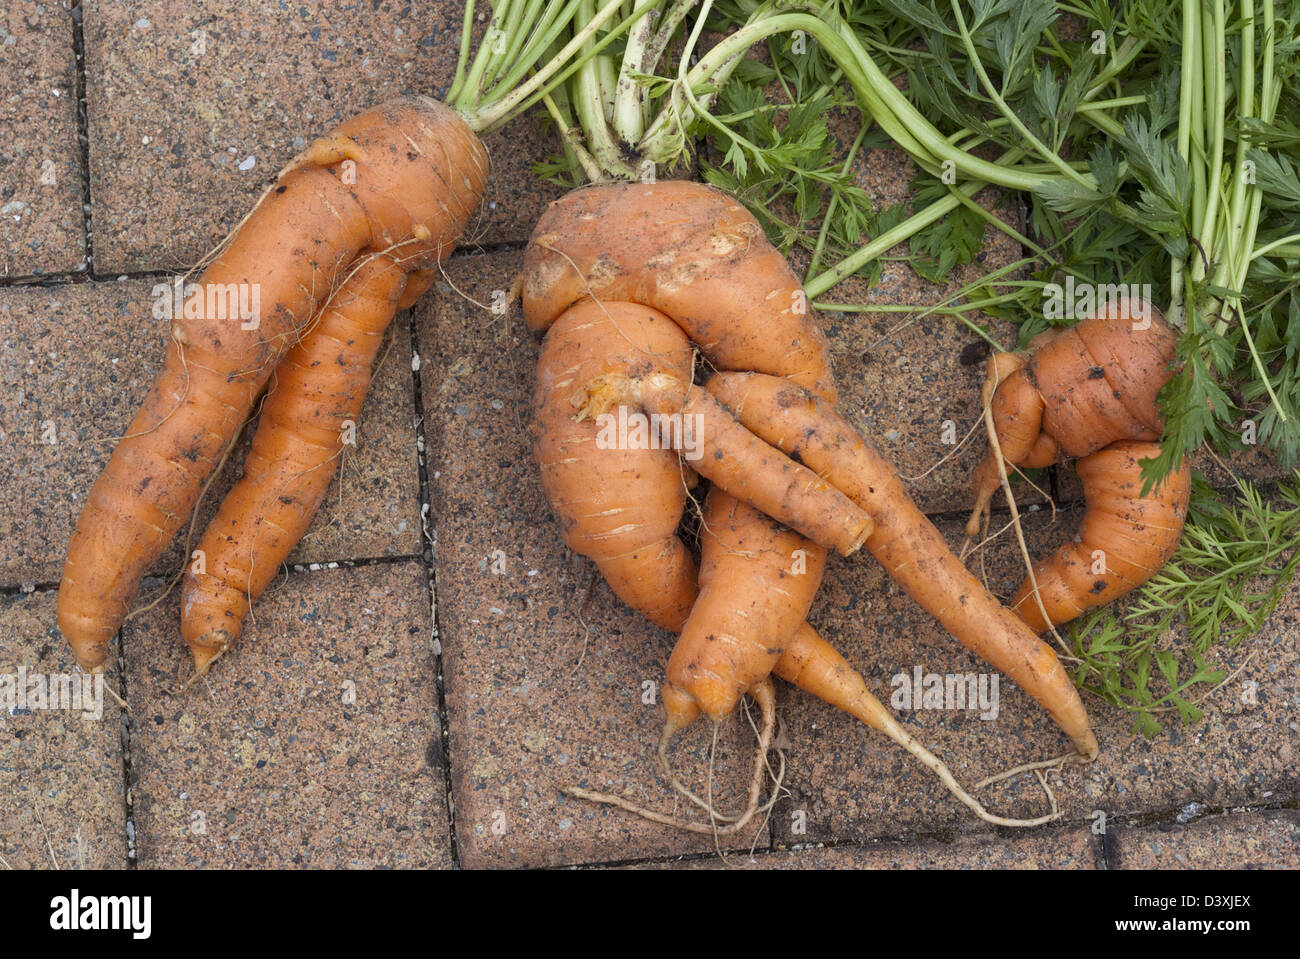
pixel 75 277
pixel 128 802
pixel 1107 857
pixel 943 837
pixel 50 281
pixel 427 559
pixel 357 563
pixel 83 131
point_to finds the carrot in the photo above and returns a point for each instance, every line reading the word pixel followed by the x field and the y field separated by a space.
pixel 403 178
pixel 692 253
pixel 618 505
pixel 1076 391
pixel 695 255
pixel 1124 539
pixel 318 388
pixel 1089 391
pixel 757 584
pixel 738 461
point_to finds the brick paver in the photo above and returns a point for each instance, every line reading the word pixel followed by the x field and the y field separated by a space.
pixel 1256 840
pixel 60 770
pixel 194 105
pixel 42 225
pixel 315 743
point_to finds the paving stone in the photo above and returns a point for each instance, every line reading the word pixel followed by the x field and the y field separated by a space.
pixel 42 224
pixel 315 743
pixel 193 105
pixel 75 363
pixel 1071 847
pixel 1254 840
pixel 853 785
pixel 60 769
pixel 525 718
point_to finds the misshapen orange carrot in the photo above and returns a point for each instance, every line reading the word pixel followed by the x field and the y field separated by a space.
pixel 403 178
pixel 1090 392
pixel 618 505
pixel 697 256
pixel 756 586
pixel 1124 539
pixel 1077 390
pixel 318 388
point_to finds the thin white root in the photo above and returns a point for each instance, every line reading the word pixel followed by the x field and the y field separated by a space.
pixel 1034 767
pixel 199 675
pixel 766 697
pixel 996 449
pixel 898 734
pixel 113 695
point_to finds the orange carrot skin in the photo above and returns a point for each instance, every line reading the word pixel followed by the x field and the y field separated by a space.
pixel 1081 388
pixel 736 460
pixel 904 541
pixel 618 506
pixel 696 255
pixel 689 251
pixel 757 584
pixel 407 175
pixel 1124 539
pixel 318 388
pixel 1099 379
pixel 815 666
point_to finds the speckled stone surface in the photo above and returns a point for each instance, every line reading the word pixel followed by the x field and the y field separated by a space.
pixel 315 743
pixel 60 769
pixel 1255 840
pixel 1071 847
pixel 42 224
pixel 526 719
pixel 75 363
pixel 194 106
pixel 854 785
